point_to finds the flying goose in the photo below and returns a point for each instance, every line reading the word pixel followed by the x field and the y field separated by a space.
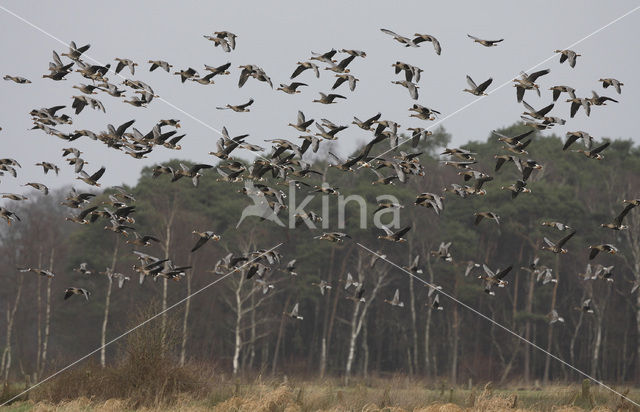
pixel 537 114
pixel 17 79
pixel 443 252
pixel 471 266
pixel 387 205
pixel 605 247
pixel 494 278
pixel 117 227
pixel 381 179
pixel 324 57
pixel 598 100
pixel 604 272
pixel 76 291
pixel 401 39
pixel 204 237
pixel 586 306
pixel 142 240
pixel 573 136
pixel 557 247
pixel 435 304
pixel 412 87
pixel 13 196
pixel 485 43
pixel 563 89
pixel 266 287
pixel 119 277
pixel 80 102
pixel 594 153
pixel 41 272
pixel 577 103
pixel 75 52
pixel 291 267
pixel 219 41
pixel 413 267
pixel 358 295
pixel 258 269
pixel 589 273
pixel 417 134
pixel 328 98
pixel 394 236
pixel 357 53
pixel 93 179
pixel 323 285
pixel 527 82
pixel 8 215
pixel 344 78
pixel 152 268
pixel 489 215
pixel 326 189
pixel 367 124
pixel 38 186
pixel 207 79
pixel 87 88
pixel 294 313
pixel 82 216
pixel 238 108
pixel 46 166
pixel 409 71
pixel 395 301
pixel 302 66
pixel 309 142
pixel 517 188
pixel 431 200
pixel 477 90
pixel 187 74
pixel 302 123
pixel 193 172
pixel 426 37
pixel 291 88
pixel 350 282
pixel 545 275
pixel 159 63
pixel 617 222
pixel 122 63
pixel 569 55
pixel 612 82
pixel 228 36
pixel 553 317
pixel 336 237
pixel 556 225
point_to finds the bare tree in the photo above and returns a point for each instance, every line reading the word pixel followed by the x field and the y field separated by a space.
pixel 5 363
pixel 107 304
pixel 547 361
pixel 47 319
pixel 360 309
pixel 185 319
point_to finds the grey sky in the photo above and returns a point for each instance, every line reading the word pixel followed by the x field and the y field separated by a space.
pixel 275 35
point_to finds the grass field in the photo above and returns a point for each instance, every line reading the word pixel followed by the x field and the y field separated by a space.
pixel 399 394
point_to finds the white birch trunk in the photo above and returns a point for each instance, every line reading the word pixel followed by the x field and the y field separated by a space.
pixel 107 305
pixel 47 318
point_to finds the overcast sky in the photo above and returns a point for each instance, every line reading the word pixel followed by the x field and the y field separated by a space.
pixel 275 35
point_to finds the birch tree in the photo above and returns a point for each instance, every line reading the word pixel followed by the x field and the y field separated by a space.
pixel 360 309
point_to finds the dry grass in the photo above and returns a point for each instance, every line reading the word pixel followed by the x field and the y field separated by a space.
pixel 329 396
pixel 150 382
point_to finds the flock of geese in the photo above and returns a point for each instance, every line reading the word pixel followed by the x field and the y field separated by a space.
pixel 284 161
